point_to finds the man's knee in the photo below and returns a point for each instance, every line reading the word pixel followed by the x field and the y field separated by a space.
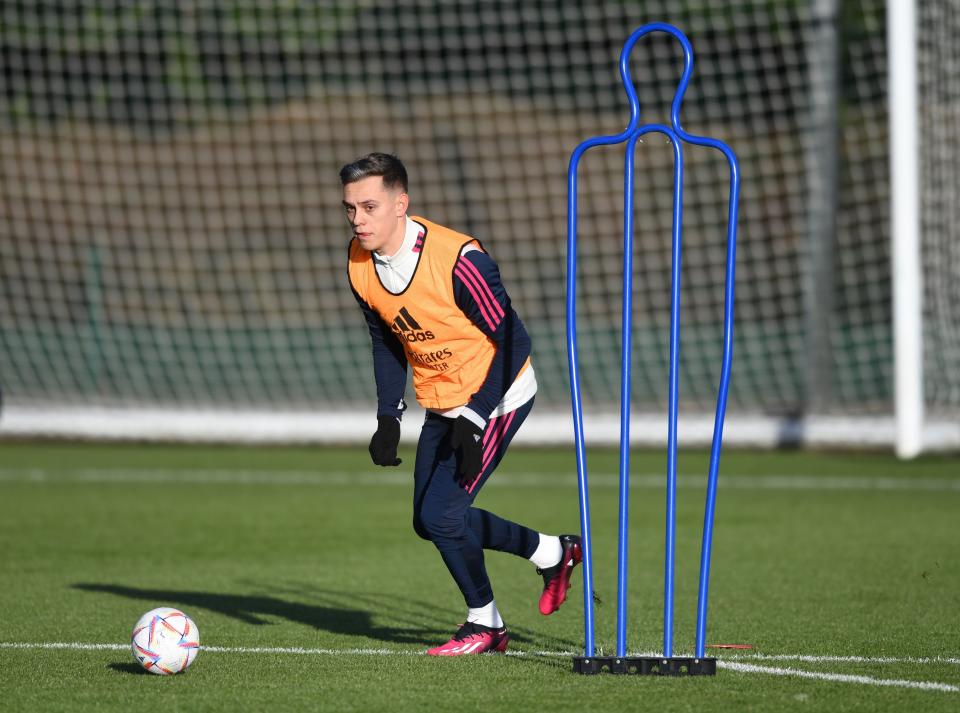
pixel 440 524
pixel 419 528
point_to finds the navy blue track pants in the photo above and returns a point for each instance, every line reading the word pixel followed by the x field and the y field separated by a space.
pixel 443 509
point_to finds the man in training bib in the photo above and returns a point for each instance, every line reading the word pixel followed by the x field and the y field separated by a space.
pixel 433 299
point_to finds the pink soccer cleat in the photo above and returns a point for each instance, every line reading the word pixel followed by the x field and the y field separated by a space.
pixel 556 579
pixel 473 639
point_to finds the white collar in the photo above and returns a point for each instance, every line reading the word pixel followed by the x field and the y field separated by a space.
pixel 411 231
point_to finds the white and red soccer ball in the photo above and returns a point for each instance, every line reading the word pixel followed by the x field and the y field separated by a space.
pixel 165 641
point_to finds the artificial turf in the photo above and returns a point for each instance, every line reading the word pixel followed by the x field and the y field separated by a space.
pixel 310 552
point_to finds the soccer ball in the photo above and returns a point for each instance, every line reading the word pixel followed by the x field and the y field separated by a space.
pixel 165 641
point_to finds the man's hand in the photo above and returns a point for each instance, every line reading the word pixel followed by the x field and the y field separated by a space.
pixel 467 437
pixel 383 445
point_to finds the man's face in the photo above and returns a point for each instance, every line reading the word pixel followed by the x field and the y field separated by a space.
pixel 376 214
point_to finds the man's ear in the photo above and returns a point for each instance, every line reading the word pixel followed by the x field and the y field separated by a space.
pixel 403 202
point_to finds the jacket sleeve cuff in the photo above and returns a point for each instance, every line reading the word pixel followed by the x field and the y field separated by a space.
pixel 395 411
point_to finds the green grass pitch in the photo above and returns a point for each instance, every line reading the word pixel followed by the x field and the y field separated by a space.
pixel 307 581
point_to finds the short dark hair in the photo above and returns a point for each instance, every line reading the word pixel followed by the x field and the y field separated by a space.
pixel 385 165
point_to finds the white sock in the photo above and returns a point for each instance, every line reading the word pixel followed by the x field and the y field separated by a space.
pixel 486 616
pixel 548 552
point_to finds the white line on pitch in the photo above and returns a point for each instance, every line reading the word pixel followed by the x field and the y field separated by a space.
pixel 732 665
pixel 358 652
pixel 501 479
pixel 71 645
pixel 295 650
pixel 806 658
pixel 838 677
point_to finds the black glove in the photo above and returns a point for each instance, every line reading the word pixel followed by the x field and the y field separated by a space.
pixel 467 437
pixel 383 445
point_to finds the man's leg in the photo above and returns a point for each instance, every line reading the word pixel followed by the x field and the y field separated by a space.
pixel 555 557
pixel 443 513
pixel 492 531
pixel 440 514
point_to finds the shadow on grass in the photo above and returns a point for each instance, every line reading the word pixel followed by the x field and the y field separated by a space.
pixel 336 612
pixel 129 668
pixel 253 610
pixel 411 611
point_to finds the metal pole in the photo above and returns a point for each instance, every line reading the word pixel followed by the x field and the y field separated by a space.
pixel 905 227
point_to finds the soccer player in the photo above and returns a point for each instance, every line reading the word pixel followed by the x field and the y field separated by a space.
pixel 433 299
